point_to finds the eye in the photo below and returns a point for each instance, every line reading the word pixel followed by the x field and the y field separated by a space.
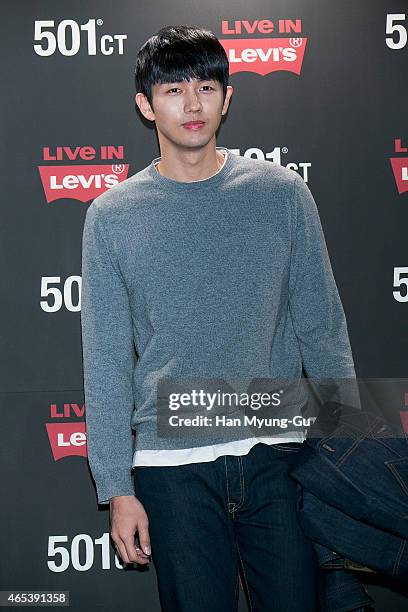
pixel 210 88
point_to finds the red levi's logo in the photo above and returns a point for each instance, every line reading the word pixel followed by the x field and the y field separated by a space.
pixel 67 439
pixel 399 167
pixel 264 55
pixel 81 182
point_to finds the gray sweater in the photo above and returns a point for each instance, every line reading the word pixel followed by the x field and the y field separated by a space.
pixel 224 278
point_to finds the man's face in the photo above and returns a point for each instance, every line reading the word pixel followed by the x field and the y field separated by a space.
pixel 187 113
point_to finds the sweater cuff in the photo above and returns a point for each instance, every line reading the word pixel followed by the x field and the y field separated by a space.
pixel 120 486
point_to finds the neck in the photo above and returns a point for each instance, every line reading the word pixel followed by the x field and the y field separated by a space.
pixel 188 166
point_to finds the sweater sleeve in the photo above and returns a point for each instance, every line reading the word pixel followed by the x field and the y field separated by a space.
pixel 108 362
pixel 316 308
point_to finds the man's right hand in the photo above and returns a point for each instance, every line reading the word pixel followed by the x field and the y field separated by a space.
pixel 129 517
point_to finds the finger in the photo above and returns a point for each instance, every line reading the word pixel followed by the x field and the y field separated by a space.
pixel 144 538
pixel 134 553
pixel 138 557
pixel 141 557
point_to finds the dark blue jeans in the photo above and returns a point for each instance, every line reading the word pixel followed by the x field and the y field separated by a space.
pixel 209 521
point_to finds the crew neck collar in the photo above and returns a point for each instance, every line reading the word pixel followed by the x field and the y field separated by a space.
pixel 208 182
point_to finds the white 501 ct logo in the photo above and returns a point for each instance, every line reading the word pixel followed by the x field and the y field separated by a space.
pixel 68 36
pixel 276 156
pixel 80 553
pixel 399 281
pixel 60 297
pixel 391 28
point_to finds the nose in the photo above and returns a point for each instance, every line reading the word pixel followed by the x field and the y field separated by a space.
pixel 192 101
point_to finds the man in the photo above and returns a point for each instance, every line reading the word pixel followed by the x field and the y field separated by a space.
pixel 204 264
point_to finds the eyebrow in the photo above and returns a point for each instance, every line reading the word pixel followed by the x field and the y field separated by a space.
pixel 176 82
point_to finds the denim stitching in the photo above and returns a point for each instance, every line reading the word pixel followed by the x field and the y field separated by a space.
pixel 398 559
pixel 245 579
pixel 363 436
pixel 230 505
pixel 350 450
pixel 242 483
pixel 281 446
pixel 236 595
pixel 287 448
pixel 366 435
pixel 397 476
pixel 355 430
pixel 397 455
pixel 380 440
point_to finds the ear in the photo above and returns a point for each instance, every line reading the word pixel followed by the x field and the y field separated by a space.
pixel 144 106
pixel 228 95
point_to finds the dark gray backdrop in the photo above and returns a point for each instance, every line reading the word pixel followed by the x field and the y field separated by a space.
pixel 341 116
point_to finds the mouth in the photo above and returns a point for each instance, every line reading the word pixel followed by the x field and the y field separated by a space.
pixel 193 125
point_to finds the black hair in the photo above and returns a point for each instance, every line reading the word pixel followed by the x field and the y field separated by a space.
pixel 180 53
